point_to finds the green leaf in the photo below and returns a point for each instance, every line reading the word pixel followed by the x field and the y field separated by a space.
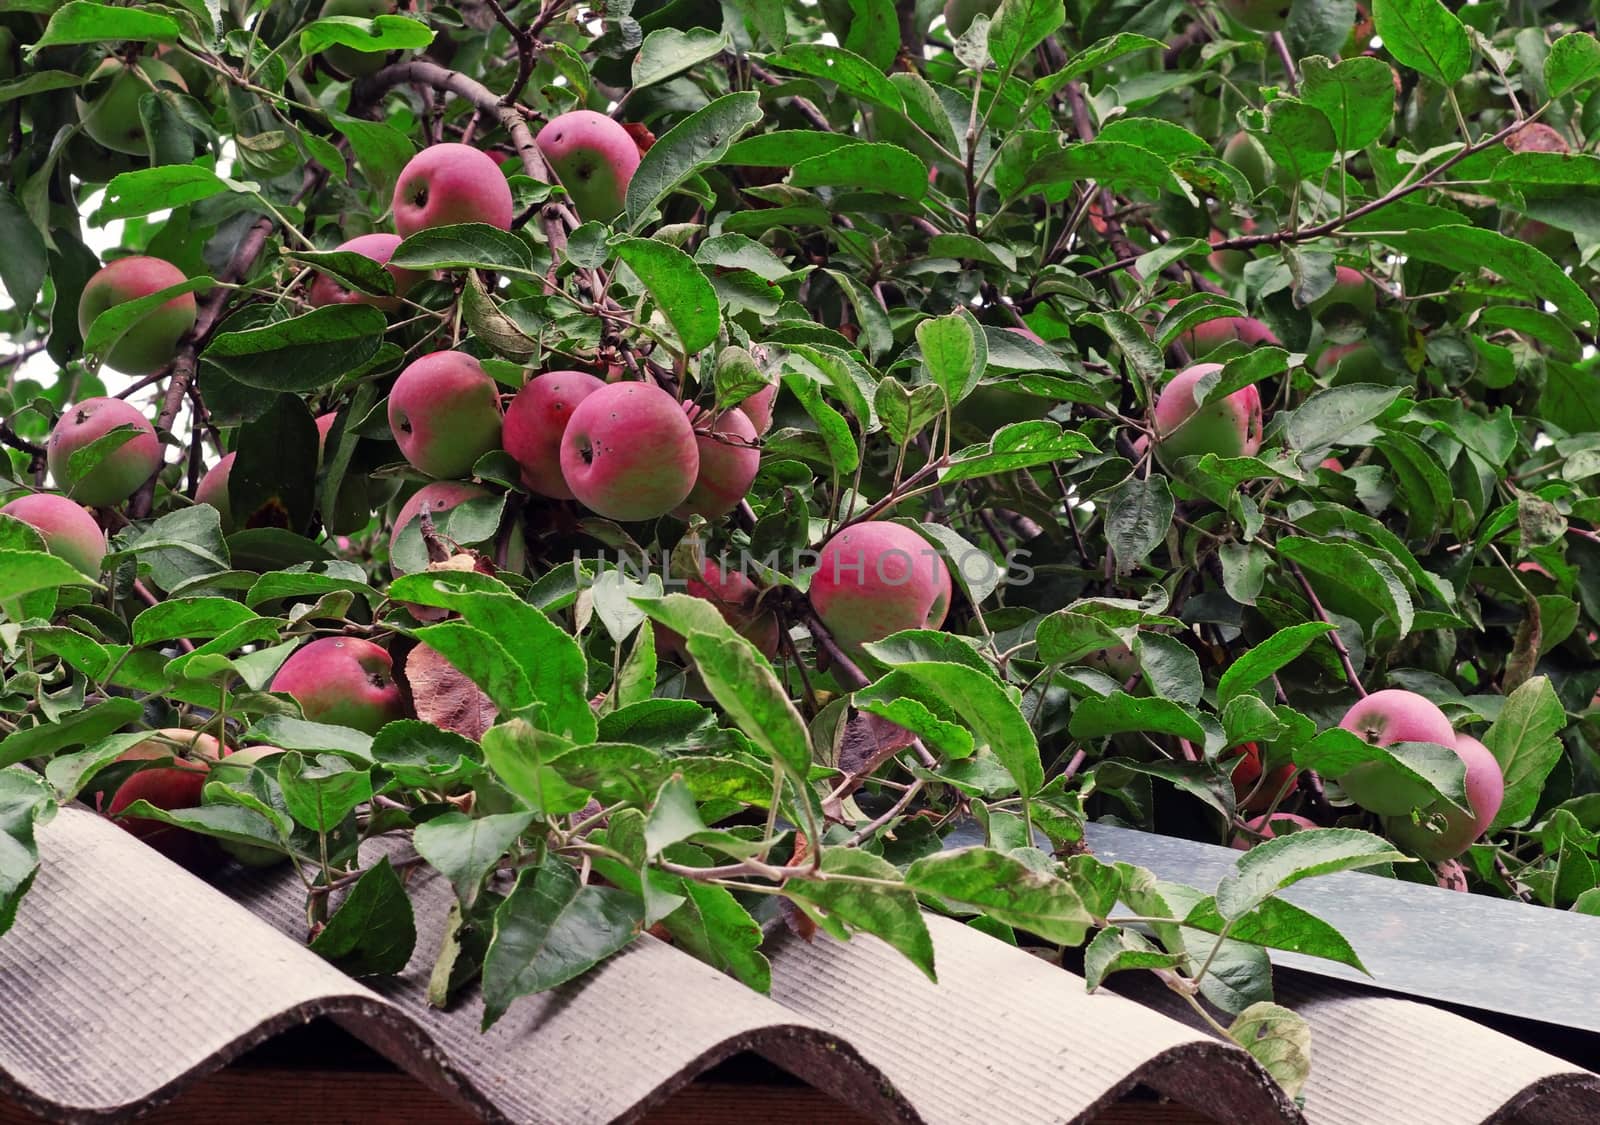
pixel 482 659
pixel 303 353
pixel 887 912
pixel 992 711
pixel 1425 36
pixel 381 149
pixel 39 82
pixel 680 290
pixel 1119 713
pixel 1266 658
pixel 1573 61
pixel 465 246
pixel 694 144
pixel 954 352
pixel 22 572
pixel 742 681
pixel 1471 249
pixel 549 930
pixel 157 189
pixel 464 849
pixel 1299 138
pixel 1115 949
pixel 350 269
pixel 714 927
pixel 1138 514
pixel 374 931
pixel 321 794
pixel 380 34
pixel 1005 889
pixel 1274 864
pixel 25 802
pixel 1341 566
pixel 1327 416
pixel 188 617
pixel 853 74
pixel 668 51
pixel 1355 95
pixel 520 756
pixel 291 733
pixel 880 167
pixel 1021 25
pixel 24 264
pixel 1278 1039
pixel 111 325
pixel 1277 924
pixel 81 21
pixel 1523 739
pixel 1021 445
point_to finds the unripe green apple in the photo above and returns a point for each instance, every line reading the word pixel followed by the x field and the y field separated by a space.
pixel 594 158
pixel 69 532
pixel 343 681
pixel 1247 157
pixel 1383 719
pixel 347 60
pixel 877 578
pixel 959 14
pixel 451 183
pixel 112 118
pixel 629 452
pixel 1259 15
pixel 119 473
pixel 177 786
pixel 213 490
pixel 1228 427
pixel 729 460
pixel 325 290
pixel 535 421
pixel 1454 830
pixel 152 342
pixel 445 413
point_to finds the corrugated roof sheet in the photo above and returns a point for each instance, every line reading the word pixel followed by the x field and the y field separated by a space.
pixel 125 979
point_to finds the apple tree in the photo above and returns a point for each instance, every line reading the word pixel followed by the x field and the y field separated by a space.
pixel 703 468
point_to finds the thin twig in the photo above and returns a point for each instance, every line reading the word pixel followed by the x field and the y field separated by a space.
pixel 1333 635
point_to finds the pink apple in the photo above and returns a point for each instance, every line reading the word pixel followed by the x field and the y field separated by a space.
pixel 758 407
pixel 594 157
pixel 1383 719
pixel 119 473
pixel 877 578
pixel 213 490
pixel 449 183
pixel 535 421
pixel 1353 294
pixel 738 600
pixel 1228 427
pixel 1284 822
pixel 435 499
pixel 152 341
pixel 177 786
pixel 729 460
pixel 629 452
pixel 325 290
pixel 343 681
pixel 68 530
pixel 445 413
pixel 1486 788
pixel 1209 335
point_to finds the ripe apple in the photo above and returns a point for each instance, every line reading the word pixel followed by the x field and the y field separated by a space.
pixel 69 531
pixel 344 681
pixel 445 413
pixel 1209 335
pixel 758 407
pixel 1353 294
pixel 119 473
pixel 1253 793
pixel 380 248
pixel 451 183
pixel 1247 157
pixel 1486 788
pixel 629 452
pixel 959 14
pixel 1259 15
pixel 1284 822
pixel 213 490
pixel 347 60
pixel 877 578
pixel 112 118
pixel 594 157
pixel 729 460
pixel 436 499
pixel 177 786
pixel 152 342
pixel 1228 427
pixel 737 599
pixel 535 421
pixel 1383 719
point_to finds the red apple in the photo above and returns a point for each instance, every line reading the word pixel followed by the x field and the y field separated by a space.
pixel 1454 830
pixel 435 499
pixel 738 600
pixel 1284 822
pixel 119 473
pixel 535 421
pixel 344 681
pixel 877 578
pixel 68 530
pixel 177 786
pixel 445 413
pixel 213 490
pixel 149 344
pixel 1353 295
pixel 594 157
pixel 1228 427
pixel 326 290
pixel 629 453
pixel 447 184
pixel 729 460
pixel 1252 792
pixel 758 407
pixel 1383 719
pixel 1209 335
